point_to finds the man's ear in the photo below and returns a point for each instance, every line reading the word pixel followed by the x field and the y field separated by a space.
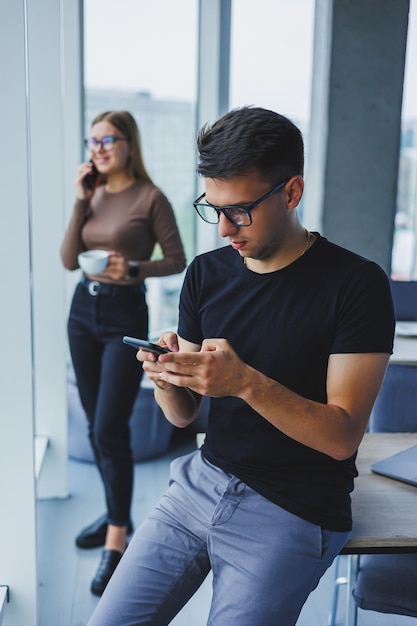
pixel 294 191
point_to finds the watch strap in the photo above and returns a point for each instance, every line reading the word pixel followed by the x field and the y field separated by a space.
pixel 133 271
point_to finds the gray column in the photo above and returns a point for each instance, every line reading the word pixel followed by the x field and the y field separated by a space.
pixel 213 85
pixel 352 164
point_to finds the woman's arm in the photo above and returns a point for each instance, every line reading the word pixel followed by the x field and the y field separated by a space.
pixel 165 230
pixel 72 244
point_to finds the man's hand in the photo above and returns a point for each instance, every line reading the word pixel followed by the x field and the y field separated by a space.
pixel 215 370
pixel 150 362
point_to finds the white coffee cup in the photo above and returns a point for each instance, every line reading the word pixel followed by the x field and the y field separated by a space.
pixel 93 261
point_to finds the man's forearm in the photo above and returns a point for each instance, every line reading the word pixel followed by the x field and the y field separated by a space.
pixel 179 404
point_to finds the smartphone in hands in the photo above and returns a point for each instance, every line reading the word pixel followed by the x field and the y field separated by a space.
pixel 89 181
pixel 141 344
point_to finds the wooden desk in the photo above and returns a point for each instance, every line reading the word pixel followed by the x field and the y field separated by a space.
pixel 384 512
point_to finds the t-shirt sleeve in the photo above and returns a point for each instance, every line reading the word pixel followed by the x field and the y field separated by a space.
pixel 189 327
pixel 365 319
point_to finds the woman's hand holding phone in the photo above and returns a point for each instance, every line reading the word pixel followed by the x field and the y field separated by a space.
pixel 85 180
pixel 90 180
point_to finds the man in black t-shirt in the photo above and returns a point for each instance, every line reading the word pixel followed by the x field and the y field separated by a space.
pixel 289 335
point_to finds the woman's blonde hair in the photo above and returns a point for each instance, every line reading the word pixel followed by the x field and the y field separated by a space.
pixel 126 124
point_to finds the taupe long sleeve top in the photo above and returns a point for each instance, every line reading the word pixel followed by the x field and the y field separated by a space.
pixel 130 222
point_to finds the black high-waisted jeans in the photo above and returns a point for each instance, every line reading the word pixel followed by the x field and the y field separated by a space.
pixel 108 377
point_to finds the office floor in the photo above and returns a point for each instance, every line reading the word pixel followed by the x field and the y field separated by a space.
pixel 65 572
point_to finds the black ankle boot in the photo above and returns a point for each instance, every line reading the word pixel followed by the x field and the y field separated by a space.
pixel 94 535
pixel 108 563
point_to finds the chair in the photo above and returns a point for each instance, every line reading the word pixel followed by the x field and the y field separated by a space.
pixel 395 409
pixel 381 582
pixel 404 295
pixel 387 583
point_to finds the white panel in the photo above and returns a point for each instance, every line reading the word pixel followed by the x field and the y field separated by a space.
pixel 33 181
pixel 17 536
pixel 46 150
pixel 51 114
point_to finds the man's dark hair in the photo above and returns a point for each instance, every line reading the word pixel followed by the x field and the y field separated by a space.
pixel 251 139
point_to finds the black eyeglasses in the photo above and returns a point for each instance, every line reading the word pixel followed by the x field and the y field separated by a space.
pixel 237 215
pixel 106 143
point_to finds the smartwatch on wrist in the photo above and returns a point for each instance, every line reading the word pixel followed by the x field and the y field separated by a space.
pixel 133 271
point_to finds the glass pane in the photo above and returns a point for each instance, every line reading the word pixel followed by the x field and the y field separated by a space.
pixel 404 252
pixel 141 56
pixel 271 57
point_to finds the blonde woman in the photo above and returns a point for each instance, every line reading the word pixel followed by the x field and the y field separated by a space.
pixel 118 209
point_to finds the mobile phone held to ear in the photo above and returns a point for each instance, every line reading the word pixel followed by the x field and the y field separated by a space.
pixel 89 181
pixel 141 344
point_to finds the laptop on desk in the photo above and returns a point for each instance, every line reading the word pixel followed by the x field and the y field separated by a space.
pixel 401 466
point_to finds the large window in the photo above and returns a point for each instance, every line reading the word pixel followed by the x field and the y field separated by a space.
pixel 141 56
pixel 404 254
pixel 271 57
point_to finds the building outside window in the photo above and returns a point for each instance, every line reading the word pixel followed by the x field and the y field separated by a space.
pixel 142 56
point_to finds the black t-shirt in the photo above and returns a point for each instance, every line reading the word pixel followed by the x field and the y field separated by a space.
pixel 286 324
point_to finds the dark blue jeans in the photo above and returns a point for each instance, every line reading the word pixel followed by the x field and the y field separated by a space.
pixel 108 378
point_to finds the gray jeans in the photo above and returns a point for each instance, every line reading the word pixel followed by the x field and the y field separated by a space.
pixel 265 561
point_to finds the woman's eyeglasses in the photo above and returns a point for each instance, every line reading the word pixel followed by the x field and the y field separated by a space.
pixel 106 143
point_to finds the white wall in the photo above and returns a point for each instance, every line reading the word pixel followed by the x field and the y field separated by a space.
pixel 39 130
pixel 17 546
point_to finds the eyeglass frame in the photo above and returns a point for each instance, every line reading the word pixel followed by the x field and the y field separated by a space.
pixel 246 209
pixel 100 143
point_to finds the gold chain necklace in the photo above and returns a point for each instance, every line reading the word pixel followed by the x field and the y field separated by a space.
pixel 308 235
